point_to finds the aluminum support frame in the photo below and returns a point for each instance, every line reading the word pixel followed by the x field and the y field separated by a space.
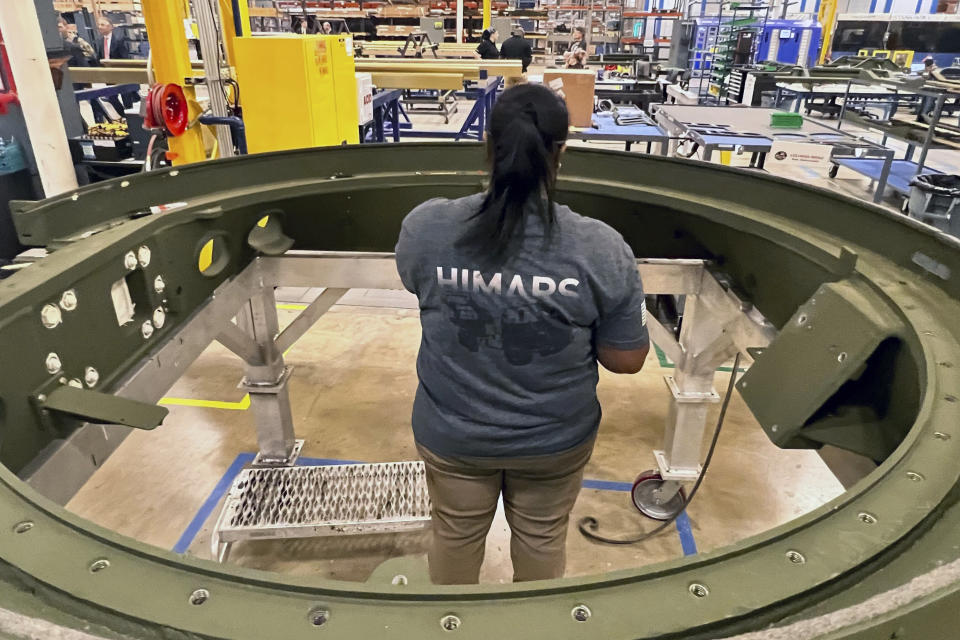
pixel 716 326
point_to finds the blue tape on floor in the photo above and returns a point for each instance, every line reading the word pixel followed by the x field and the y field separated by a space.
pixel 606 485
pixel 686 534
pixel 186 539
pixel 687 542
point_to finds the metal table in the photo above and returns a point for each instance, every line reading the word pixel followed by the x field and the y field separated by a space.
pixel 801 93
pixel 629 90
pixel 713 129
pixel 748 130
pixel 386 106
pixel 606 130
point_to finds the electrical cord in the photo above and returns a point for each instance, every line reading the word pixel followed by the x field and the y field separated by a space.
pixel 588 526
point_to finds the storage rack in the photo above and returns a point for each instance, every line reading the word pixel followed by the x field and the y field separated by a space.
pixel 739 20
pixel 629 41
pixel 570 14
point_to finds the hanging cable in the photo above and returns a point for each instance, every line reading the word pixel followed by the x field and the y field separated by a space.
pixel 588 526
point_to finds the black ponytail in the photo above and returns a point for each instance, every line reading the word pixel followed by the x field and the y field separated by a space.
pixel 528 127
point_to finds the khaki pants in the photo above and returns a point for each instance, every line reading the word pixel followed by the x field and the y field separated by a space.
pixel 538 494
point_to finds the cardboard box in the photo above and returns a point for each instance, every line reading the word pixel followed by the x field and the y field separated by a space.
pixel 576 86
pixel 365 97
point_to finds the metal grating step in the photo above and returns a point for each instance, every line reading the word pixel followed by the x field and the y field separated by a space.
pixel 308 501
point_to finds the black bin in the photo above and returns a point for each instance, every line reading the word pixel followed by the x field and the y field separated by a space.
pixel 934 199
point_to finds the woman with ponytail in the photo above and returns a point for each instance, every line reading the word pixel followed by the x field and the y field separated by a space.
pixel 520 297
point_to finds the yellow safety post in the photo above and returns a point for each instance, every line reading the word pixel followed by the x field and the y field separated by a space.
pixel 827 16
pixel 486 15
pixel 170 55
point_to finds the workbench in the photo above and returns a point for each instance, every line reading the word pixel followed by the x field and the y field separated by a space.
pixel 606 130
pixel 800 94
pixel 748 129
pixel 729 129
pixel 628 90
pixel 386 107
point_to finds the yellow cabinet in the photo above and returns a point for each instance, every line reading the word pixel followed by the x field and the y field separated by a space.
pixel 297 91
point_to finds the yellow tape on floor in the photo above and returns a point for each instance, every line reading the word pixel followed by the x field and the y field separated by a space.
pixel 244 402
pixel 242 405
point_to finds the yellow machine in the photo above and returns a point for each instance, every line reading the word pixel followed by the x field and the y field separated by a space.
pixel 297 91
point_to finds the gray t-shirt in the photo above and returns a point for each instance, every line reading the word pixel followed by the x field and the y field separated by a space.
pixel 507 361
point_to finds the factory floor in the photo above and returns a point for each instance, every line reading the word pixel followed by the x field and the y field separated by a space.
pixel 352 392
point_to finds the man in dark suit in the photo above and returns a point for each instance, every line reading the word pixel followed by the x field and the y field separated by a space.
pixel 517 47
pixel 111 44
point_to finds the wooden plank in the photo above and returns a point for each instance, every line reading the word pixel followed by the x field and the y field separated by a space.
pixel 400 80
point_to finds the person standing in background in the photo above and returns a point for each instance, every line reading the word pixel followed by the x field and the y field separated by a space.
pixel 487 50
pixel 516 47
pixel 576 56
pixel 111 45
pixel 81 53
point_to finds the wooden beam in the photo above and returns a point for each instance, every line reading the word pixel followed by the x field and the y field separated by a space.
pixel 394 80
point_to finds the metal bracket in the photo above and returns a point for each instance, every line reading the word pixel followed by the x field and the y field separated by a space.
pixel 669 473
pixel 261 461
pixel 691 397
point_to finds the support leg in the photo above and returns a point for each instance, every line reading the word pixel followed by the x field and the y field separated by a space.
pixel 267 383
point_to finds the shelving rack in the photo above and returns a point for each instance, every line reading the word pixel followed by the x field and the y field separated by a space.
pixel 569 13
pixel 656 18
pixel 735 22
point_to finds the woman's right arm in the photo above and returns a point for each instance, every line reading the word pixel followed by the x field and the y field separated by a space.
pixel 621 331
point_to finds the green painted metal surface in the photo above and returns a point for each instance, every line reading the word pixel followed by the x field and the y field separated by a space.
pixel 783 244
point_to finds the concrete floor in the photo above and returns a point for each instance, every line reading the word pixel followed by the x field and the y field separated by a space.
pixel 352 393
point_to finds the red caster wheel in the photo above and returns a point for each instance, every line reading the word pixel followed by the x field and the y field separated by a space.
pixel 650 500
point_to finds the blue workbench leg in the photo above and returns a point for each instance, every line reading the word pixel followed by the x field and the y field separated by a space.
pixel 882 180
pixel 378 125
pixel 395 119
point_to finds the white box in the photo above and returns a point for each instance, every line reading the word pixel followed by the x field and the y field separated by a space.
pixel 365 97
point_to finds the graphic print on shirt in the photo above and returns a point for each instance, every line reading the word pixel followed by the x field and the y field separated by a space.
pixel 520 324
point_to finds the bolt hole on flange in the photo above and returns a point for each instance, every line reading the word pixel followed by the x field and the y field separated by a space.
pixel 99 565
pixel 319 616
pixel 450 622
pixel 23 527
pixel 796 557
pixel 199 596
pixel 698 590
pixel 581 613
pixel 867 518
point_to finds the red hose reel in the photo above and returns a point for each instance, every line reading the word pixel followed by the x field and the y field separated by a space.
pixel 167 109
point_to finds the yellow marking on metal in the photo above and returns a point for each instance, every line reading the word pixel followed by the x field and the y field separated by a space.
pixel 292 307
pixel 242 405
pixel 206 256
pixel 262 222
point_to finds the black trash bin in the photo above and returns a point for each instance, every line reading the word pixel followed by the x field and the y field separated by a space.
pixel 935 199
